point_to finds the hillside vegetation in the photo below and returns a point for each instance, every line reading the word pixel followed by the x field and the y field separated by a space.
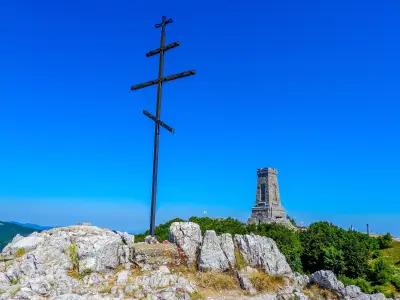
pixel 9 230
pixel 373 263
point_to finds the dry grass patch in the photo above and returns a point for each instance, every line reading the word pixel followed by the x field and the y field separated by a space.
pixel 208 282
pixel 265 283
pixel 216 281
pixel 239 260
pixel 317 293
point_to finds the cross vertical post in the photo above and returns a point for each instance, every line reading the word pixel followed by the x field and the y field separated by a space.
pixel 157 118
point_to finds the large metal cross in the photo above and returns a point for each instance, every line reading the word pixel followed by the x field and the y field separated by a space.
pixel 157 118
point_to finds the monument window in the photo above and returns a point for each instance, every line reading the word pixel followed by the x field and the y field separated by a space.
pixel 263 192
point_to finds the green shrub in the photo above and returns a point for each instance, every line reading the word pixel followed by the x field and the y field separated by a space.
pixel 20 252
pixel 73 256
pixel 327 246
pixel 333 259
pixel 381 272
pixel 385 241
pixel 395 280
pixel 387 289
pixel 364 284
pixel 161 231
pixel 221 225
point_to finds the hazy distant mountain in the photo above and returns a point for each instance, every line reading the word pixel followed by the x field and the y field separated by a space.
pixel 10 229
pixel 30 225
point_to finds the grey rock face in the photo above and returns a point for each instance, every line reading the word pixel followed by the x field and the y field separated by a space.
pixel 212 257
pixel 151 256
pixel 187 236
pixel 43 270
pixel 292 296
pixel 160 284
pixel 300 280
pixel 262 252
pixel 150 240
pixel 244 280
pixel 228 247
pixel 328 280
pixel 28 243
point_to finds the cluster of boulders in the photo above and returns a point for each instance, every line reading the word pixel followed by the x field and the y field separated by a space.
pixel 87 262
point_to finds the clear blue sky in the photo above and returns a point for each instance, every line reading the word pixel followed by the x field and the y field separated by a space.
pixel 309 87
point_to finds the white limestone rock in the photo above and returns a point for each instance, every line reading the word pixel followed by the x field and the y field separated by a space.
pixel 300 280
pixel 19 242
pixel 327 280
pixel 150 240
pixel 122 277
pixel 187 236
pixel 262 252
pixel 43 270
pixel 228 247
pixel 212 257
pixel 292 296
pixel 244 280
pixel 160 284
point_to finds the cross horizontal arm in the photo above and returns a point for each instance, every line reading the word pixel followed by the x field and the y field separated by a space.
pixel 143 85
pixel 167 78
pixel 162 124
pixel 179 75
pixel 166 48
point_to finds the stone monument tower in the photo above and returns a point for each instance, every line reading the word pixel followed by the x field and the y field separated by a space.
pixel 268 208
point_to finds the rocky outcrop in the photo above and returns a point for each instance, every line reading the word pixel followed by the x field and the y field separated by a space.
pixel 328 280
pixel 160 284
pixel 244 280
pixel 87 262
pixel 187 236
pixel 228 247
pixel 262 252
pixel 152 256
pixel 47 257
pixel 217 252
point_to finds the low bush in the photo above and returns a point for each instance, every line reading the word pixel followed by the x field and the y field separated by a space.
pixel 385 241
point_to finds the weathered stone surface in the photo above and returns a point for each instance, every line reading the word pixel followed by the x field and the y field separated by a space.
pixel 122 277
pixel 262 252
pixel 300 280
pixel 150 240
pixel 327 280
pixel 152 256
pixel 244 280
pixel 228 248
pixel 160 284
pixel 212 257
pixel 43 270
pixel 268 208
pixel 187 236
pixel 292 296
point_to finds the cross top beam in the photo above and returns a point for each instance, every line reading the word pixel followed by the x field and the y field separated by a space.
pixel 157 117
pixel 164 22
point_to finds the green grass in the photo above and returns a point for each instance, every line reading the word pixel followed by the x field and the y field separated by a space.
pixel 392 254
